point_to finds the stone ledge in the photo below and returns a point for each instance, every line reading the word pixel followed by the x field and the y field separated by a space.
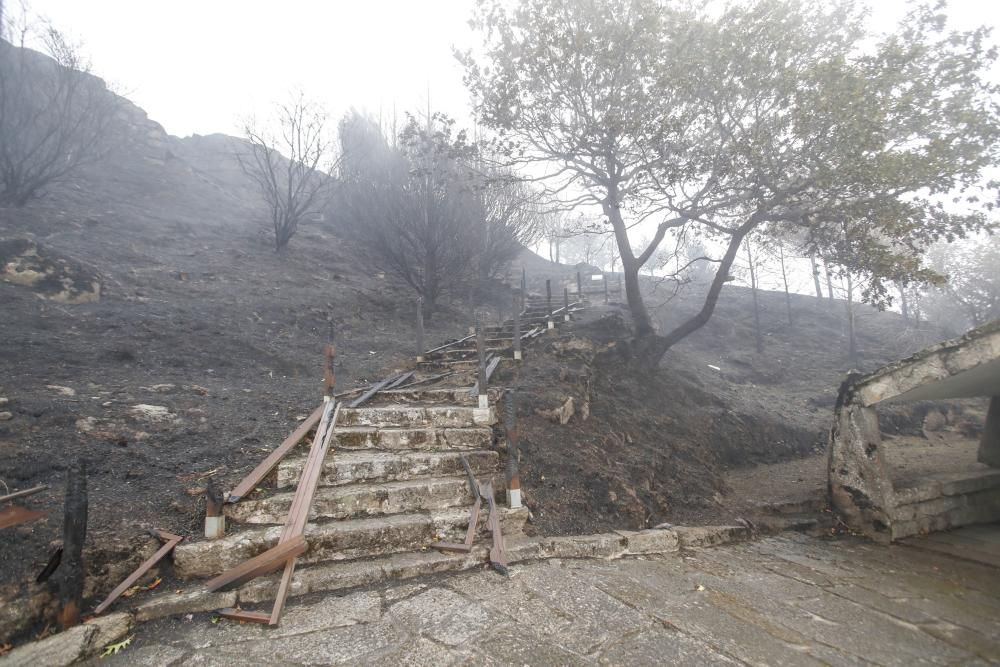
pixel 343 575
pixel 73 645
pixel 710 536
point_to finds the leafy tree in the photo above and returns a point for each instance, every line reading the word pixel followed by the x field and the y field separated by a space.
pixel 771 115
pixel 291 159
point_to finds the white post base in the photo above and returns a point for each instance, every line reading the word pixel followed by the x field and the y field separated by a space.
pixel 420 358
pixel 513 498
pixel 215 527
pixel 566 318
pixel 484 401
pixel 552 325
pixel 517 355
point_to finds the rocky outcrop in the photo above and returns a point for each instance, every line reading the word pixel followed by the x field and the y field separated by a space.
pixel 48 274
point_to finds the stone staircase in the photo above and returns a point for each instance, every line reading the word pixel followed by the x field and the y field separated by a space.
pixel 393 483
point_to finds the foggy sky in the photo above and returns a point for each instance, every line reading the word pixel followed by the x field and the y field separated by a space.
pixel 199 67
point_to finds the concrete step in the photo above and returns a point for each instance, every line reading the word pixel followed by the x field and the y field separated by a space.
pixel 410 416
pixel 337 540
pixel 427 438
pixel 361 500
pixel 354 467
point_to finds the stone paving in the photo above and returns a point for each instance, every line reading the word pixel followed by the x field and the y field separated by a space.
pixel 786 600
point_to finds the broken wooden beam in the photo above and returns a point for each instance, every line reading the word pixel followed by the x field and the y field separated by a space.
pixel 259 565
pixel 374 389
pixel 447 345
pixel 234 614
pixel 279 600
pixel 425 380
pixel 264 468
pixel 420 328
pixel 24 493
pixel 171 542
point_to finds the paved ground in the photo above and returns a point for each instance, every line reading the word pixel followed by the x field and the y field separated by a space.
pixel 789 600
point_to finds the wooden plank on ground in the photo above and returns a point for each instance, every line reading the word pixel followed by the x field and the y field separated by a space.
pixel 15 514
pixel 264 468
pixel 172 541
pixel 259 565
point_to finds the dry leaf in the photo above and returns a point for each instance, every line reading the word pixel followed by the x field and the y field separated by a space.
pixel 112 649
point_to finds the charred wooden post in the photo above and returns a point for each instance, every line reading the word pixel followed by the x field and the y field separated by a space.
pixel 605 277
pixel 71 572
pixel 548 302
pixel 215 518
pixel 513 451
pixel 484 401
pixel 329 379
pixel 620 293
pixel 524 283
pixel 565 304
pixel 517 327
pixel 579 287
pixel 420 329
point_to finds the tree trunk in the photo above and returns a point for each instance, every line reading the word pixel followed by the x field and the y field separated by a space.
pixel 784 278
pixel 758 339
pixel 829 281
pixel 630 268
pixel 815 272
pixel 649 350
pixel 904 305
pixel 852 344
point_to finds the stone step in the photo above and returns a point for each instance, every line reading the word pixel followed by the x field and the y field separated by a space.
pixel 337 540
pixel 456 364
pixel 352 467
pixel 454 395
pixel 429 438
pixel 360 500
pixel 410 416
pixel 457 352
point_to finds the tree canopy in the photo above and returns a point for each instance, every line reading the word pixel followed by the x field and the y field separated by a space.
pixel 780 117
